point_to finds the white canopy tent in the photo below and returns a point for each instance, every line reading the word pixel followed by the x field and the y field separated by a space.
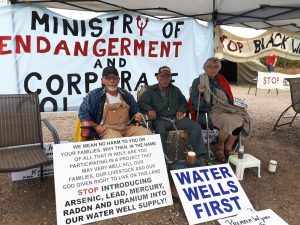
pixel 256 14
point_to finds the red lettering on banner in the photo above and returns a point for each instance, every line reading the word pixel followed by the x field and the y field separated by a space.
pixel 139 46
pixel 78 48
pixel 3 45
pixel 25 46
pixel 62 46
pixel 234 46
pixel 124 46
pixel 98 52
pixel 222 38
pixel 40 41
pixel 177 44
pixel 165 48
pixel 100 47
pixel 272 80
pixel 152 45
pixel 112 46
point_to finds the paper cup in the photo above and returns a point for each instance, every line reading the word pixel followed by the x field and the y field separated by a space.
pixel 272 166
pixel 191 158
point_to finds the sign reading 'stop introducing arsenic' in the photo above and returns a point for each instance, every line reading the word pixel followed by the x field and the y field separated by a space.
pixel 103 179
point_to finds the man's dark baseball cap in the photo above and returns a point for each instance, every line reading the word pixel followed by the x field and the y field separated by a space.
pixel 110 70
pixel 164 70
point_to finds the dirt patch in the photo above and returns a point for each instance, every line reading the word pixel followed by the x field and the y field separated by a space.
pixel 32 202
pixel 287 71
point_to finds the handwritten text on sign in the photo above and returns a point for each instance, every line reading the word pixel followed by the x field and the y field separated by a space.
pixel 265 217
pixel 98 180
pixel 209 193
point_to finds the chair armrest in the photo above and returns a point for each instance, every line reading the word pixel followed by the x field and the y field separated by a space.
pixel 52 130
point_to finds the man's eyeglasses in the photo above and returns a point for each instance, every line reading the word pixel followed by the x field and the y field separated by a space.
pixel 216 67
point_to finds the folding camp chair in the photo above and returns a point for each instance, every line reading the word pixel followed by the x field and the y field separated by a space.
pixel 21 141
pixel 295 96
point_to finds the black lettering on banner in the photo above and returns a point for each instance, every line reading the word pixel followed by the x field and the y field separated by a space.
pixel 256 45
pixel 111 62
pixel 93 24
pixel 284 39
pixel 112 23
pixel 142 80
pixel 73 83
pixel 60 82
pixel 174 75
pixel 122 62
pixel 90 78
pixel 168 27
pixel 279 43
pixel 177 28
pixel 98 63
pixel 295 47
pixel 26 81
pixel 83 28
pixel 67 27
pixel 55 25
pixel 125 80
pixel 48 99
pixel 41 21
pixel 270 42
pixel 126 22
pixel 65 104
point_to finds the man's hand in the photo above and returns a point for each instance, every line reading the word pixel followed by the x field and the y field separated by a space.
pixel 201 87
pixel 138 117
pixel 100 129
pixel 179 115
pixel 151 114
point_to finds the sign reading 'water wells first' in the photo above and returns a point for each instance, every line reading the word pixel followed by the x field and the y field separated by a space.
pixel 209 193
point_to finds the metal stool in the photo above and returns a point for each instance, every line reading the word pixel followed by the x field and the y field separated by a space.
pixel 248 161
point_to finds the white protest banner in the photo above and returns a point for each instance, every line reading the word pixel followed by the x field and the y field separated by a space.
pixel 209 193
pixel 272 80
pixel 277 41
pixel 97 180
pixel 62 59
pixel 36 172
pixel 264 217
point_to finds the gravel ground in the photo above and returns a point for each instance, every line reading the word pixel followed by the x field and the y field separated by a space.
pixel 32 202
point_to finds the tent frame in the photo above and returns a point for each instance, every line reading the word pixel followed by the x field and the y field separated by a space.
pixel 264 14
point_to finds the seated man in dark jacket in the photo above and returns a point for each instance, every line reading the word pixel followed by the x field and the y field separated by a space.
pixel 111 109
pixel 166 105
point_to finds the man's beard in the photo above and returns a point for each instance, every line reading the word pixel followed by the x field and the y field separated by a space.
pixel 111 88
